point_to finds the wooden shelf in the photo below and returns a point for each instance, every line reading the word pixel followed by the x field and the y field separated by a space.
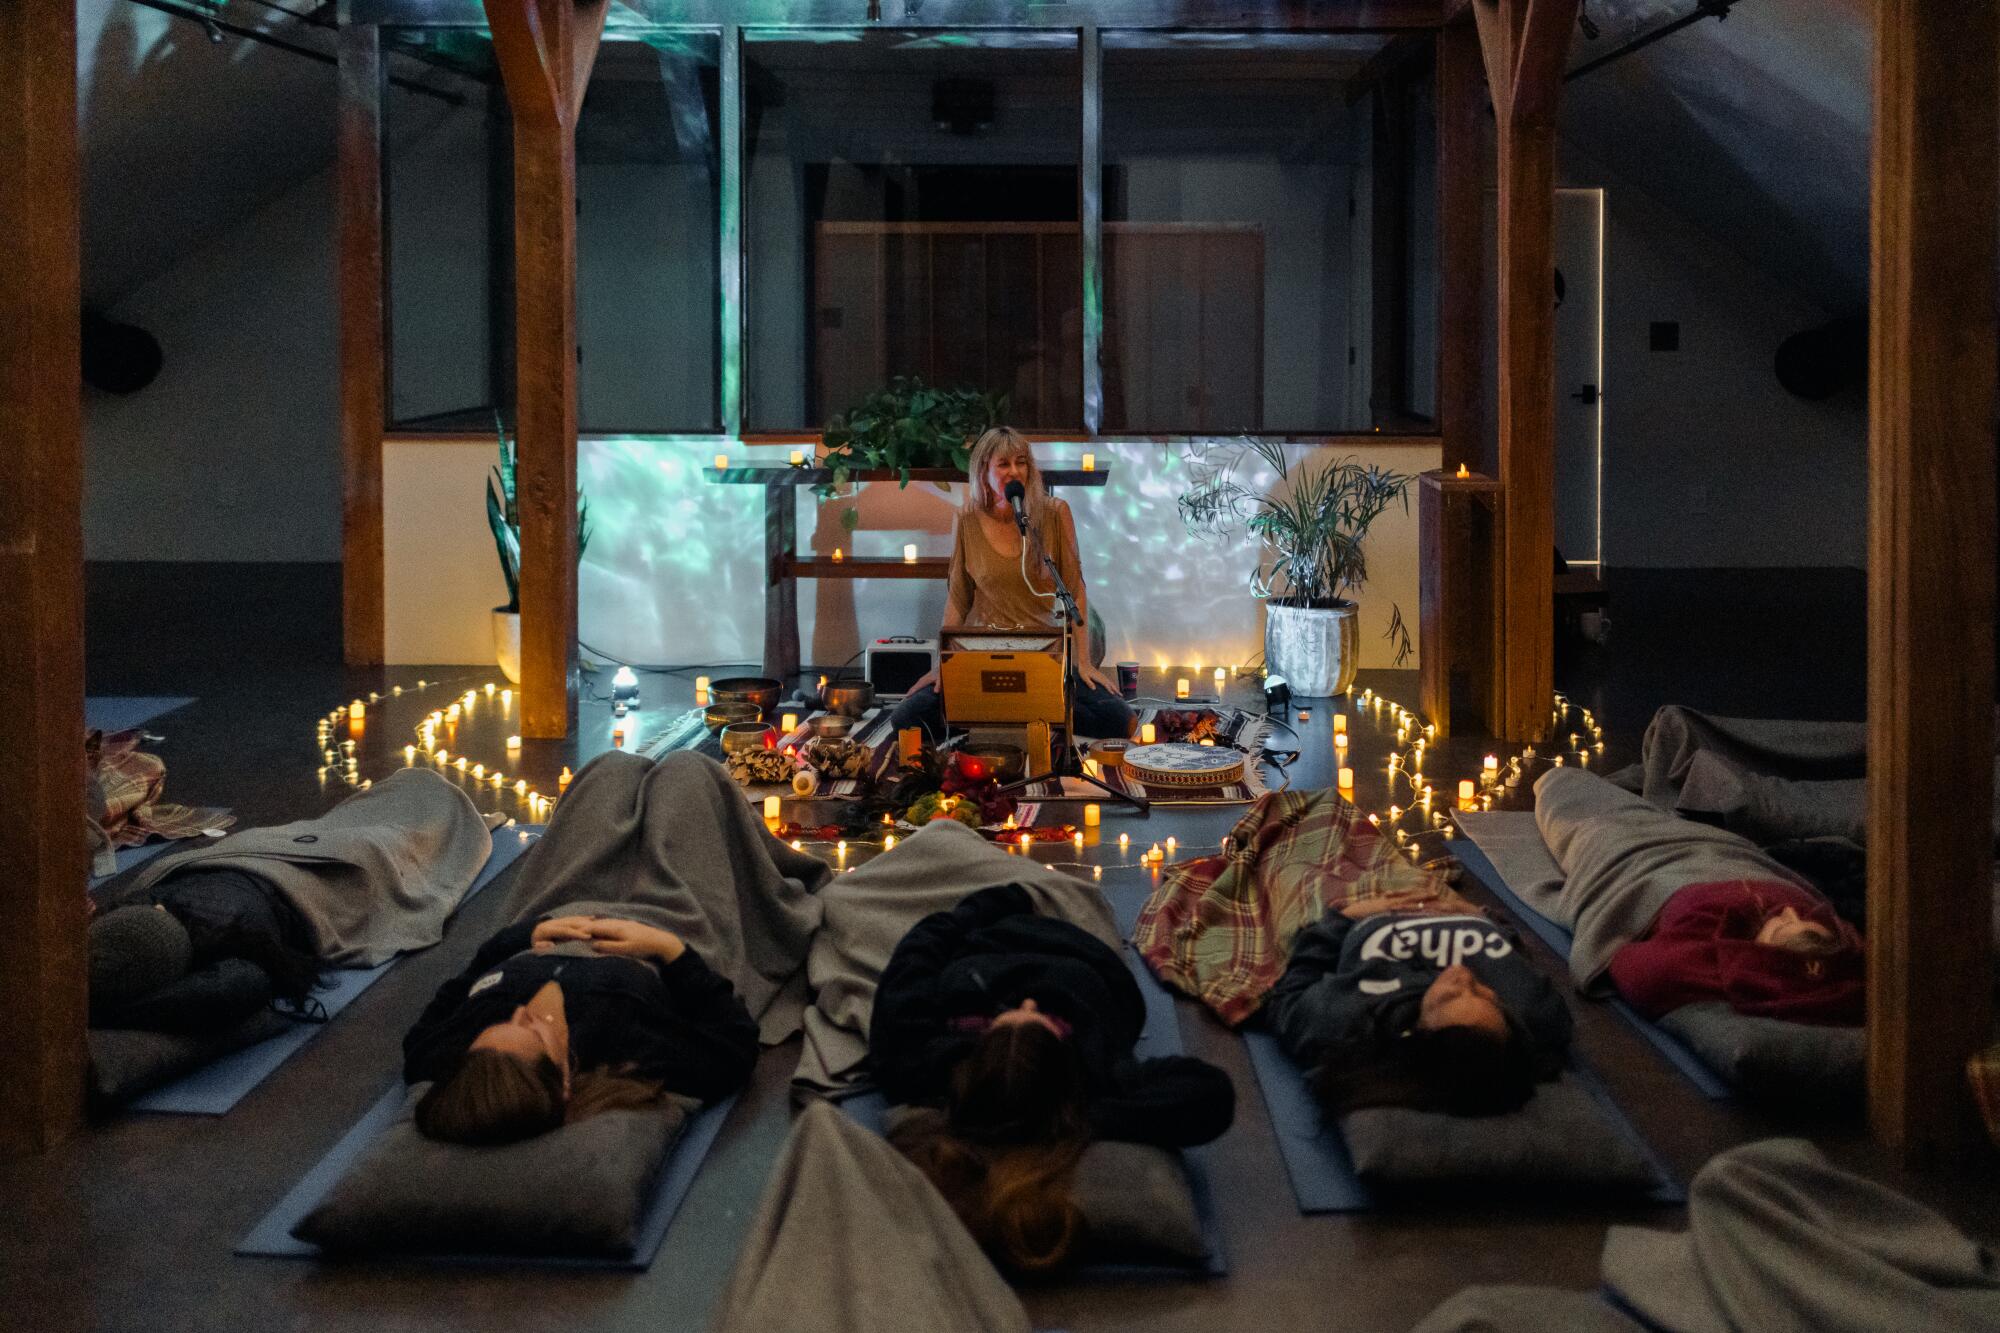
pixel 867 567
pixel 813 476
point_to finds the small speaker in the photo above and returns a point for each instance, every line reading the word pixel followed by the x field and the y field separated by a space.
pixel 892 666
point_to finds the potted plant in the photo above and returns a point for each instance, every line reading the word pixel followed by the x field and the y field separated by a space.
pixel 1311 528
pixel 905 426
pixel 504 517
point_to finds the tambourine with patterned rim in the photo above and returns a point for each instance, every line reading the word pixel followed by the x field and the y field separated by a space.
pixel 1183 765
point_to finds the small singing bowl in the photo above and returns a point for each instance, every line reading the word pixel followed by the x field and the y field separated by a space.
pixel 832 726
pixel 849 698
pixel 759 690
pixel 1002 762
pixel 740 736
pixel 721 715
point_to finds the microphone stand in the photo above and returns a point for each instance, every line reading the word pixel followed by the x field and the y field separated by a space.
pixel 1065 762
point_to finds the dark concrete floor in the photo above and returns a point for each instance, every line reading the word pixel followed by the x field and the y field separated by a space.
pixel 131 1225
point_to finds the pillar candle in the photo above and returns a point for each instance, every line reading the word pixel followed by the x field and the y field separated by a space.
pixel 798 457
pixel 1181 688
pixel 909 553
pixel 1347 779
pixel 1492 764
pixel 1340 724
pixel 788 723
pixel 356 711
pixel 1465 791
pixel 1093 815
pixel 513 743
pixel 1148 733
pixel 1090 462
pixel 771 808
pixel 1220 676
pixel 1340 741
pixel 721 462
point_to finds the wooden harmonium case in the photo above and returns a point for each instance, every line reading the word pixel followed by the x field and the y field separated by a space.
pixel 994 676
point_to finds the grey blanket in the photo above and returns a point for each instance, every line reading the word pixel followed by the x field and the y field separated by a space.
pixel 850 1238
pixel 868 912
pixel 674 844
pixel 1778 1239
pixel 1621 859
pixel 376 875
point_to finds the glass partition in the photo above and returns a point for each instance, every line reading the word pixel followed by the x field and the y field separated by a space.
pixel 1255 237
pixel 911 209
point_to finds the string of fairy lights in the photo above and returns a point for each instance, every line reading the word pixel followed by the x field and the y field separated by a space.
pixel 1425 816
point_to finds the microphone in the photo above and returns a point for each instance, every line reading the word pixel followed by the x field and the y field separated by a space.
pixel 1016 492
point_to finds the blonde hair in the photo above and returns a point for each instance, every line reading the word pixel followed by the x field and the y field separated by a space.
pixel 979 495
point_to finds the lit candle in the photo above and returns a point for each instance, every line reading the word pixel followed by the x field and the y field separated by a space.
pixel 443 756
pixel 513 744
pixel 841 847
pixel 1172 843
pixel 1155 854
pixel 1148 733
pixel 1462 473
pixel 888 842
pixel 479 770
pixel 490 687
pixel 1208 741
pixel 909 553
pixel 789 723
pixel 771 808
pixel 798 458
pixel 1220 676
pixel 1340 741
pixel 1027 841
pixel 506 698
pixel 1090 462
pixel 1124 841
pixel 1078 840
pixel 618 735
pixel 1340 724
pixel 1347 779
pixel 499 779
pixel 1093 815
pixel 1305 715
pixel 356 711
pixel 1181 688
pixel 838 554
pixel 1465 790
pixel 409 754
pixel 459 763
pixel 721 462
pixel 1097 872
pixel 1492 764
pixel 562 781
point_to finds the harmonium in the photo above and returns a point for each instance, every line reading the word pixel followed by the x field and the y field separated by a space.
pixel 990 677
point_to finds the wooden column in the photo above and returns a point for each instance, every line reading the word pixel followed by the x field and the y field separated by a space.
pixel 363 343
pixel 545 49
pixel 1931 570
pixel 1524 43
pixel 1461 210
pixel 41 572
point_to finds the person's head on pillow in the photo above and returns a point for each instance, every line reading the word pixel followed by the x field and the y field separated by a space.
pixel 1463 1055
pixel 517 1080
pixel 1004 1152
pixel 1787 929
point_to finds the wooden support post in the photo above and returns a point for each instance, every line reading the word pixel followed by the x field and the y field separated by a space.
pixel 1461 208
pixel 1524 43
pixel 1931 535
pixel 545 49
pixel 41 570
pixel 363 343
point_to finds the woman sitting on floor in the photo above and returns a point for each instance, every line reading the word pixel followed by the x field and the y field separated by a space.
pixel 1418 1002
pixel 997 580
pixel 1021 1028
pixel 569 1014
pixel 1764 947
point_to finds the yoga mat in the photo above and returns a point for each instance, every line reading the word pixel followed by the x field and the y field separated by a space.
pixel 215 1088
pixel 1502 855
pixel 122 712
pixel 272 1237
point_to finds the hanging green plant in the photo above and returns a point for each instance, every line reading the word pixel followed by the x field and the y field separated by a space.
pixel 503 515
pixel 903 427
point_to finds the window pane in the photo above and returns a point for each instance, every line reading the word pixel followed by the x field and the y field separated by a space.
pixel 450 258
pixel 1258 234
pixel 648 181
pixel 911 209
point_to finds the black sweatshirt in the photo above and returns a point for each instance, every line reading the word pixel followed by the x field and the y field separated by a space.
pixel 990 953
pixel 1353 984
pixel 676 1022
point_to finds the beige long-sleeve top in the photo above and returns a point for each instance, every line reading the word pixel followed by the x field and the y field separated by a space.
pixel 989 584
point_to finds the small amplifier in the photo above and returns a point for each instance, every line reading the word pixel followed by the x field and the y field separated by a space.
pixel 892 666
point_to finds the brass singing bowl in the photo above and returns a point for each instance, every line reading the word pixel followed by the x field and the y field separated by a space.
pixel 721 715
pixel 995 759
pixel 849 698
pixel 832 726
pixel 740 736
pixel 759 690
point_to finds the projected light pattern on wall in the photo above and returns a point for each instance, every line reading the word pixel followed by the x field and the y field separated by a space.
pixel 675 570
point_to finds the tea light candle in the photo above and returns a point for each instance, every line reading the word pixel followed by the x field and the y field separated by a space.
pixel 357 710
pixel 1340 724
pixel 409 754
pixel 1148 733
pixel 513 744
pixel 1465 790
pixel 1078 840
pixel 1209 741
pixel 838 554
pixel 798 458
pixel 1462 473
pixel 1124 841
pixel 888 842
pixel 1093 815
pixel 721 462
pixel 1171 844
pixel 1181 688
pixel 1305 715
pixel 1340 741
pixel 1347 779
pixel 788 723
pixel 562 781
pixel 490 687
pixel 909 553
pixel 771 808
pixel 1090 462
pixel 1220 676
pixel 1492 764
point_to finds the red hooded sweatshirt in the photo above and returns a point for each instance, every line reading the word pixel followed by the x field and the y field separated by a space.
pixel 1703 946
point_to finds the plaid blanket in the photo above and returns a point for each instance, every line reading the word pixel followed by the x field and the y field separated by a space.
pixel 122 799
pixel 1220 928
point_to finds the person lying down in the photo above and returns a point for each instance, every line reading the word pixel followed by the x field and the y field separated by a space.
pixel 1417 1000
pixel 1020 1029
pixel 569 1014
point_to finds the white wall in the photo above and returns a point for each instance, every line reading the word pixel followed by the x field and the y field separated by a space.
pixel 444 577
pixel 1708 462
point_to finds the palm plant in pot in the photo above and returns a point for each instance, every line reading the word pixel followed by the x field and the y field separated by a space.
pixel 1311 529
pixel 503 515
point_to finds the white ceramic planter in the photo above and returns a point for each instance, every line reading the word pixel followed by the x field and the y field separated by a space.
pixel 1316 650
pixel 507 642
